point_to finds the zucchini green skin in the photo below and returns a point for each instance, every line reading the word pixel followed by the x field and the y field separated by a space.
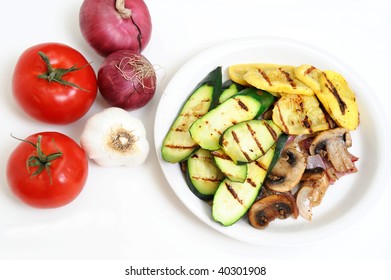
pixel 232 199
pixel 229 89
pixel 266 99
pixel 280 144
pixel 245 105
pixel 249 140
pixel 178 145
pixel 202 175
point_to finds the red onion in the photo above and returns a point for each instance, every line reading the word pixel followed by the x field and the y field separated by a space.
pixel 315 161
pixel 127 80
pixel 111 25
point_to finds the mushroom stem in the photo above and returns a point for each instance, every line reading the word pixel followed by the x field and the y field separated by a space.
pixel 333 145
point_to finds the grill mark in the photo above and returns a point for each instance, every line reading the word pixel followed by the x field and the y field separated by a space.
pixel 260 165
pixel 220 155
pixel 223 142
pixel 242 105
pixel 253 134
pixel 300 102
pixel 183 127
pixel 233 193
pixel 246 155
pixel 251 182
pixel 237 140
pixel 334 91
pixel 206 179
pixel 326 117
pixel 235 136
pixel 263 74
pixel 271 130
pixel 309 70
pixel 288 77
pixel 306 121
pixel 282 119
pixel 188 115
pixel 217 131
pixel 179 147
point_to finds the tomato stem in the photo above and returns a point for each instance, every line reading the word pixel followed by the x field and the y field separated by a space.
pixel 56 74
pixel 41 160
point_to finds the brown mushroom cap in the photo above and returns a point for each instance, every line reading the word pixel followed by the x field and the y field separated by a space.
pixel 268 209
pixel 287 172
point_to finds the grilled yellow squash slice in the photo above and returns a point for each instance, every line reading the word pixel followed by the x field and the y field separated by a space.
pixel 309 75
pixel 276 78
pixel 237 71
pixel 299 114
pixel 338 100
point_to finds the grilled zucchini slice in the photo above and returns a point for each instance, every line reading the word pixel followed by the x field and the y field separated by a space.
pixel 246 105
pixel 299 114
pixel 249 140
pixel 178 144
pixel 233 171
pixel 203 175
pixel 230 88
pixel 339 100
pixel 232 199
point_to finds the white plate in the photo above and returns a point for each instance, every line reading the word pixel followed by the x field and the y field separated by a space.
pixel 345 202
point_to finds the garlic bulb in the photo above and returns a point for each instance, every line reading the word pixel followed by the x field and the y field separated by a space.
pixel 113 137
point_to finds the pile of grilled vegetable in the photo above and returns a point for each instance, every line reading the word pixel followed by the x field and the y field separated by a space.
pixel 267 142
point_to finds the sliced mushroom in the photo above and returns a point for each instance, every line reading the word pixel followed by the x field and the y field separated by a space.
pixel 333 144
pixel 287 171
pixel 269 208
pixel 313 174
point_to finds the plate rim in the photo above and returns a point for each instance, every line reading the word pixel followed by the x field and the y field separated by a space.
pixel 231 43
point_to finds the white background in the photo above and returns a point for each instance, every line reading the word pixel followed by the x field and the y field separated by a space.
pixel 132 214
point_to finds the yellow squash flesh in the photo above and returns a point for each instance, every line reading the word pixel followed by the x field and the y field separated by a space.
pixel 299 114
pixel 309 75
pixel 333 92
pixel 237 71
pixel 273 78
pixel 338 100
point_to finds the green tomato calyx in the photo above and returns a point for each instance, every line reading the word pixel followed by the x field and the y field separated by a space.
pixel 40 160
pixel 56 74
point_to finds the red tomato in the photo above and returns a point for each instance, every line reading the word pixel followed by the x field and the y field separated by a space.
pixel 49 185
pixel 60 95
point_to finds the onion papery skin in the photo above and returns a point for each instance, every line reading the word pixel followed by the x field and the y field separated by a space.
pixel 106 31
pixel 129 92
